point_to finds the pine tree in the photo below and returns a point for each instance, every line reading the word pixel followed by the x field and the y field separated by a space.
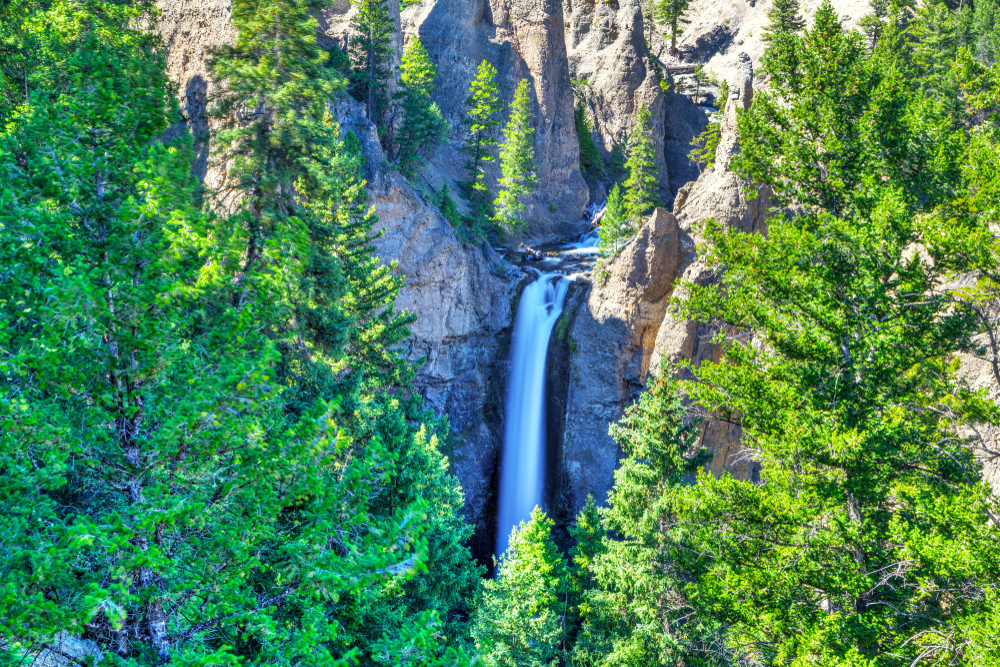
pixel 614 229
pixel 371 57
pixel 670 13
pixel 423 127
pixel 144 442
pixel 517 162
pixel 590 157
pixel 638 575
pixel 483 119
pixel 641 186
pixel 783 17
pixel 705 145
pixel 520 614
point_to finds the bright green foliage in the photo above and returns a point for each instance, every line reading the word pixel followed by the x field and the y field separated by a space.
pixel 517 162
pixel 873 25
pixel 345 346
pixel 615 228
pixel 482 119
pixel 705 146
pixel 371 56
pixel 871 541
pixel 423 127
pixel 936 34
pixel 842 116
pixel 781 55
pixel 520 617
pixel 276 68
pixel 590 157
pixel 637 577
pixel 641 186
pixel 153 488
pixel 670 14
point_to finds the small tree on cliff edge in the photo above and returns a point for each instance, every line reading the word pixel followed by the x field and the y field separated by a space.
pixel 670 13
pixel 371 57
pixel 517 161
pixel 641 186
pixel 423 126
pixel 483 119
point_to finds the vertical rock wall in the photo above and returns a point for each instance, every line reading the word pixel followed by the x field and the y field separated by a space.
pixel 624 329
pixel 523 39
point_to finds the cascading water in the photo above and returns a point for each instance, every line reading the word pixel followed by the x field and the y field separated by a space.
pixel 522 473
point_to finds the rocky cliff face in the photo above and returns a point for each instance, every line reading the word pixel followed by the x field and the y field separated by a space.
pixel 624 328
pixel 523 40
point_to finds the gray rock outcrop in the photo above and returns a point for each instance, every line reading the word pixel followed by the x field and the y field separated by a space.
pixel 625 327
pixel 606 48
pixel 523 40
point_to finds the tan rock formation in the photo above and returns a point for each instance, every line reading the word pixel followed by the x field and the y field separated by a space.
pixel 606 47
pixel 523 39
pixel 625 328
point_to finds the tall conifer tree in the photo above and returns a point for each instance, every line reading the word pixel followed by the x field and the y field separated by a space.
pixel 371 57
pixel 641 186
pixel 521 613
pixel 517 161
pixel 424 126
pixel 482 119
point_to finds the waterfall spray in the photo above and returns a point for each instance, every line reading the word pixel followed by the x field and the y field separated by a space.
pixel 522 472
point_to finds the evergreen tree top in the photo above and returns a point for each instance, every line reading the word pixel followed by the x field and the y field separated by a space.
pixel 418 70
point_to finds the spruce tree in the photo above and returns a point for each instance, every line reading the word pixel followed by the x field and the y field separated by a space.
pixel 641 186
pixel 371 57
pixel 517 162
pixel 614 229
pixel 423 127
pixel 634 605
pixel 705 145
pixel 520 614
pixel 155 495
pixel 482 119
pixel 783 17
pixel 342 342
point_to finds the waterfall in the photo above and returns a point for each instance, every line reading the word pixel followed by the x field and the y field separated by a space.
pixel 522 472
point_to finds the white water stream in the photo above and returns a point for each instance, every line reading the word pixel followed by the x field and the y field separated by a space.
pixel 522 473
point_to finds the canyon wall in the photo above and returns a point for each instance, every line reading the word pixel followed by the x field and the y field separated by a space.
pixel 624 329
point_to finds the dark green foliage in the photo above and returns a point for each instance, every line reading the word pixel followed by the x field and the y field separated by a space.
pixel 423 126
pixel 641 186
pixel 144 443
pixel 371 56
pixel 873 530
pixel 206 427
pixel 590 156
pixel 636 578
pixel 705 145
pixel 670 13
pixel 783 17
